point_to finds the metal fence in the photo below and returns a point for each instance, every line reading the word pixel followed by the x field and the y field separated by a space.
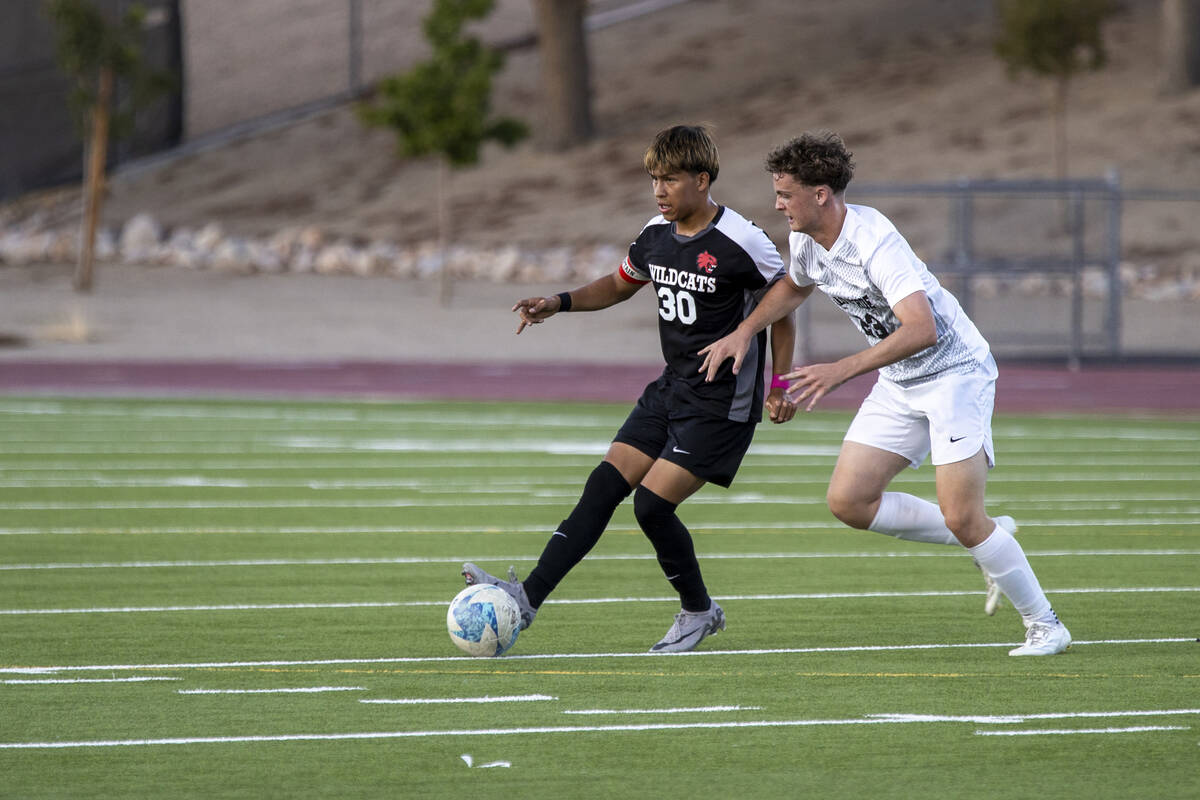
pixel 1037 264
pixel 1028 246
pixel 242 66
pixel 248 61
pixel 39 143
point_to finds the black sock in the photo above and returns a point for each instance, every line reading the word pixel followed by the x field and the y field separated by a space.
pixel 578 533
pixel 673 544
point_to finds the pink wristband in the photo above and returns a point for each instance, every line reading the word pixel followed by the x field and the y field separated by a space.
pixel 777 382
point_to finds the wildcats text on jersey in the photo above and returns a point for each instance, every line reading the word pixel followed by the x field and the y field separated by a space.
pixel 669 276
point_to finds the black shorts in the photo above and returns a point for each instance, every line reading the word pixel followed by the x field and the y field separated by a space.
pixel 708 447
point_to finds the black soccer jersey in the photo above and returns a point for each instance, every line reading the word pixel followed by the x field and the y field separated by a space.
pixel 706 285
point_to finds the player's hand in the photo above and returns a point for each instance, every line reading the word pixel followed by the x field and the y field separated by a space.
pixel 534 310
pixel 813 382
pixel 732 346
pixel 779 408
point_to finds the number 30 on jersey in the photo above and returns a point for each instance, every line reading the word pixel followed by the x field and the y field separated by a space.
pixel 676 305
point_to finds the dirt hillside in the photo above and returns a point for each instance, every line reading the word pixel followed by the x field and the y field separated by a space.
pixel 913 87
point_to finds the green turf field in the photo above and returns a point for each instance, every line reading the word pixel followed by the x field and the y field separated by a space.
pixel 247 599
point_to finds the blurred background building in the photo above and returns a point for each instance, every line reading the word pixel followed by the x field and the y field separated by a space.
pixel 240 63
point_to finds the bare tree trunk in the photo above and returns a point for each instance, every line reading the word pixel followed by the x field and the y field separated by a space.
pixel 1180 45
pixel 1061 87
pixel 562 47
pixel 446 287
pixel 93 192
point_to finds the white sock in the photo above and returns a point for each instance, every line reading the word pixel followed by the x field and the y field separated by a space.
pixel 1001 557
pixel 907 517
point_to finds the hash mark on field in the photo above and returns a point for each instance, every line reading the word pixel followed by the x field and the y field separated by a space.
pixel 1069 731
pixel 696 710
pixel 18 681
pixel 301 690
pixel 1008 719
pixel 515 698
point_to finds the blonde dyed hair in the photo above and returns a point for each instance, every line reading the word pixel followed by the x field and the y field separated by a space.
pixel 683 148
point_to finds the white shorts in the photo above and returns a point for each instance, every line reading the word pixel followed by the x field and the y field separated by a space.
pixel 950 417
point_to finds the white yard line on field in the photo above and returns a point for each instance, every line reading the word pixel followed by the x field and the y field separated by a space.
pixel 419 413
pixel 428 734
pixel 298 690
pixel 542 486
pixel 17 681
pixel 785 455
pixel 333 562
pixel 1190 516
pixel 357 416
pixel 19 612
pixel 701 654
pixel 1037 449
pixel 281 529
pixel 358 464
pixel 397 502
pixel 1011 719
pixel 485 529
pixel 1073 731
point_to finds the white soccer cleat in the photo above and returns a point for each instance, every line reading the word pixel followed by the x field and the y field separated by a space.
pixel 1044 639
pixel 689 628
pixel 994 597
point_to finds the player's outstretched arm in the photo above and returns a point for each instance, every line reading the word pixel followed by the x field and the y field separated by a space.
pixel 600 293
pixel 917 331
pixel 783 298
pixel 779 406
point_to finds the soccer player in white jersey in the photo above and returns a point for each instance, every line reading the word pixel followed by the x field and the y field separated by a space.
pixel 936 384
pixel 709 266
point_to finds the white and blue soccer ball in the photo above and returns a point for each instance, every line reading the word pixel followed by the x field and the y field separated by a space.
pixel 483 620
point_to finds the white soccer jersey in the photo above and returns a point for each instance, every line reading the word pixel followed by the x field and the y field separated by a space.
pixel 871 268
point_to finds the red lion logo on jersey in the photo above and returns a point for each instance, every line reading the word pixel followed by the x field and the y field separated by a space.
pixel 707 262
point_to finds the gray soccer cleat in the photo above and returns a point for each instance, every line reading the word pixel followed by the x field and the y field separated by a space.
pixel 474 575
pixel 1044 639
pixel 994 596
pixel 690 628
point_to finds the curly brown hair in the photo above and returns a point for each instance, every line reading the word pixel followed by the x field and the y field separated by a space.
pixel 683 148
pixel 815 159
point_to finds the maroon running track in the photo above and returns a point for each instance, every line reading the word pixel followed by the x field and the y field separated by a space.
pixel 1022 387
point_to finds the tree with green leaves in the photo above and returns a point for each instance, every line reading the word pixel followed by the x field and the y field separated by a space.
pixel 1054 39
pixel 442 106
pixel 96 52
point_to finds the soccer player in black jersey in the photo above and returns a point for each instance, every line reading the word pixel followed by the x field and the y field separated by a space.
pixel 708 266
